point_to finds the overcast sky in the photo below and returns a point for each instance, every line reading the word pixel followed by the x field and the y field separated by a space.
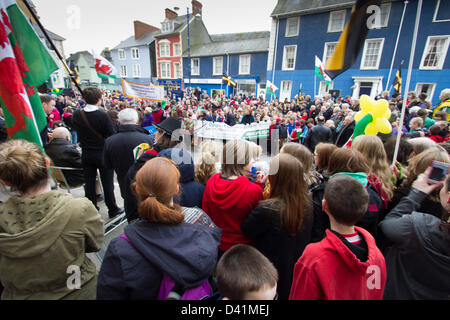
pixel 105 23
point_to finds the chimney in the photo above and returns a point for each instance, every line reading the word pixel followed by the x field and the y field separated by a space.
pixel 170 14
pixel 141 28
pixel 196 7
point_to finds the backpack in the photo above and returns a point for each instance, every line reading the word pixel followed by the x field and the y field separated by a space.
pixel 170 290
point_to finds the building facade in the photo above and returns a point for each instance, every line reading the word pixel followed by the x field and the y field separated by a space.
pixel 177 35
pixel 241 56
pixel 300 32
pixel 134 57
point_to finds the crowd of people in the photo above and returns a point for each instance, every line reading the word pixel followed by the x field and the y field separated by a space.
pixel 321 220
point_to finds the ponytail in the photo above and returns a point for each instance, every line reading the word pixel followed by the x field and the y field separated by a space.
pixel 152 210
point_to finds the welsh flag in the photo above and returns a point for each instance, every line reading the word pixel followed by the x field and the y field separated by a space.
pixel 320 71
pixel 25 64
pixel 271 88
pixel 105 70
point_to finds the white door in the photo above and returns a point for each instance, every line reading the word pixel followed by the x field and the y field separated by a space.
pixel 286 90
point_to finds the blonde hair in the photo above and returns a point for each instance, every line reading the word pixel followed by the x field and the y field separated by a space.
pixel 206 168
pixel 419 121
pixel 420 163
pixel 235 156
pixel 23 165
pixel 372 148
pixel 255 150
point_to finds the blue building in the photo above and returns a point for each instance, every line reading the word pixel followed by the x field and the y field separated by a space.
pixel 303 29
pixel 134 57
pixel 242 56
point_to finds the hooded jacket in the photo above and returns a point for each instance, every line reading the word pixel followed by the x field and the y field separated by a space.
pixel 228 203
pixel 328 270
pixel 40 238
pixel 418 263
pixel 368 222
pixel 133 271
pixel 191 192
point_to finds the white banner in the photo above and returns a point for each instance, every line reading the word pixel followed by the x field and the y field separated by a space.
pixel 57 79
pixel 141 91
pixel 222 131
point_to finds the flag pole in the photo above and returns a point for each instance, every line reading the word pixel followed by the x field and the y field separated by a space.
pixel 408 80
pixel 35 17
pixel 396 44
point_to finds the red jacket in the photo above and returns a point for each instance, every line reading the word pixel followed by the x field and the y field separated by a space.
pixel 437 139
pixel 157 116
pixel 228 204
pixel 328 270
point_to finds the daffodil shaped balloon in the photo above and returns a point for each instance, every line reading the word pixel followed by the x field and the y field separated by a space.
pixel 373 117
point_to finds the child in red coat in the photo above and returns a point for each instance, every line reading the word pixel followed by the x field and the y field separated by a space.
pixel 346 265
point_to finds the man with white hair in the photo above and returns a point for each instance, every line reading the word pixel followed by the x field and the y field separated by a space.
pixel 118 152
pixel 65 154
pixel 445 102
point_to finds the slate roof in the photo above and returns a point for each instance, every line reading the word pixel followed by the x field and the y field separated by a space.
pixel 296 7
pixel 286 7
pixel 232 43
pixel 52 35
pixel 76 56
pixel 181 21
pixel 131 42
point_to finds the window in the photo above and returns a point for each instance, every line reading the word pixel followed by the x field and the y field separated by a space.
pixel 195 67
pixel 177 70
pixel 330 47
pixel 286 90
pixel 176 50
pixel 164 49
pixel 337 21
pixel 385 11
pixel 442 11
pixel 373 49
pixel 217 66
pixel 165 70
pixel 136 70
pixel 122 55
pixel 435 53
pixel 123 71
pixel 135 53
pixel 244 64
pixel 427 88
pixel 167 27
pixel 289 57
pixel 292 27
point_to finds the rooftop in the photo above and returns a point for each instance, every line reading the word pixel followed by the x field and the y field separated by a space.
pixel 233 43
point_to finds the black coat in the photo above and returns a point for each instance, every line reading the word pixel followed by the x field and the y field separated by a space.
pixel 316 135
pixel 118 152
pixel 345 134
pixel 263 226
pixel 133 271
pixel 65 154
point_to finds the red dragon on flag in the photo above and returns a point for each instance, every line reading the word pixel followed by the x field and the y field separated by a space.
pixel 103 67
pixel 12 68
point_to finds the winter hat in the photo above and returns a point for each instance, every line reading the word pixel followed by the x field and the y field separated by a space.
pixel 170 125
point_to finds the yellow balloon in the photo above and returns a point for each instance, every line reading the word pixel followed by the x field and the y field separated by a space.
pixel 371 130
pixel 380 107
pixel 366 104
pixel 383 126
pixel 388 114
pixel 359 116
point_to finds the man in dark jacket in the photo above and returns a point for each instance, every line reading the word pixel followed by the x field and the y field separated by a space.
pixel 65 154
pixel 318 134
pixel 118 152
pixel 346 132
pixel 92 143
